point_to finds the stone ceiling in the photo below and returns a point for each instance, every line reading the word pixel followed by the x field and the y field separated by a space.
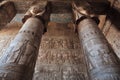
pixel 23 5
pixel 60 7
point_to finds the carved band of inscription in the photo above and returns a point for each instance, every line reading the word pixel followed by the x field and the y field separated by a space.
pixel 60 72
pixel 100 56
pixel 61 43
pixel 53 56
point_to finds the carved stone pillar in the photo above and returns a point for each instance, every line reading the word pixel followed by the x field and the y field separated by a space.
pixel 103 63
pixel 18 62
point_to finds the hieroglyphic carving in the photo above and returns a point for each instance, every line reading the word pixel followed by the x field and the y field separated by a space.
pixel 18 62
pixel 56 56
pixel 100 55
pixel 58 72
pixel 61 43
pixel 114 38
pixel 60 56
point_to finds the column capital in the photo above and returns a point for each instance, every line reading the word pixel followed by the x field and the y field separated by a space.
pixel 35 11
pixel 80 14
pixel 39 11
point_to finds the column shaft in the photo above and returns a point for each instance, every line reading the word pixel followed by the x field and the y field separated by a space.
pixel 103 64
pixel 18 62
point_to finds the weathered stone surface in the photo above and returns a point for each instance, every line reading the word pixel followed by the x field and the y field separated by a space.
pixel 23 5
pixel 116 4
pixel 113 37
pixel 58 72
pixel 64 30
pixel 100 56
pixel 61 6
pixel 7 34
pixel 102 19
pixel 7 12
pixel 20 57
pixel 60 42
pixel 56 56
pixel 61 18
pixel 60 56
pixel 106 27
pixel 112 27
pixel 17 18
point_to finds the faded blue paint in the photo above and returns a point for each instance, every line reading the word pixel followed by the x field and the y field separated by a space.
pixel 61 18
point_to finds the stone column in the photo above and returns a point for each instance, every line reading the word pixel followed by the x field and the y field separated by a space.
pixel 103 63
pixel 18 62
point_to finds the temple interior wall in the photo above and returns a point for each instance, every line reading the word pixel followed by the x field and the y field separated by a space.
pixel 60 45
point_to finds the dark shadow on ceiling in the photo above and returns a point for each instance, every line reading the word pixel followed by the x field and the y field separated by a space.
pixel 114 16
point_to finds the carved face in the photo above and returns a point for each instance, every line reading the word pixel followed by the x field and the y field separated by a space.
pixel 82 10
pixel 36 9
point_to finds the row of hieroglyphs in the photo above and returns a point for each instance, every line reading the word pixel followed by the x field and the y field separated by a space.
pixel 60 72
pixel 61 43
pixel 55 56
